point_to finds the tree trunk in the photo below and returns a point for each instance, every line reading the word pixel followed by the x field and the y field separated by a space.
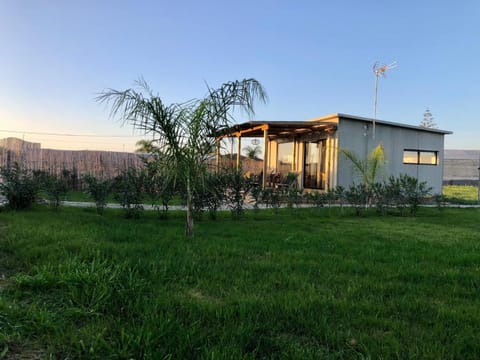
pixel 189 223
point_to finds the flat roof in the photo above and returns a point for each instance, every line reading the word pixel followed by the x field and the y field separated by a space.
pixel 323 123
pixel 378 121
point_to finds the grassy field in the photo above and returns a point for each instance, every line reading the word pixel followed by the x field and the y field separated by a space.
pixel 311 284
pixel 461 194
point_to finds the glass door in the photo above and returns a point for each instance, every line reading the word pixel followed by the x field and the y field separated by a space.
pixel 314 165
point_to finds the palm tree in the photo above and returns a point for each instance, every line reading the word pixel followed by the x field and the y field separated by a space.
pixel 252 151
pixel 184 133
pixel 368 168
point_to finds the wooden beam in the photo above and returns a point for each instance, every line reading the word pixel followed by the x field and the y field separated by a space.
pixel 246 131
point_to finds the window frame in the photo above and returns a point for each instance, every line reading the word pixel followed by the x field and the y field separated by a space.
pixel 419 152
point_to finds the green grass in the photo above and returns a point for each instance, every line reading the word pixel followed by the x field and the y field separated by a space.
pixel 81 196
pixel 461 194
pixel 310 284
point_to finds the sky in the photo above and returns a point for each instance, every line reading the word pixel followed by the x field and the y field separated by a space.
pixel 313 57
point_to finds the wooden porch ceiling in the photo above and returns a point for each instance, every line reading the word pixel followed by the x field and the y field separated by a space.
pixel 276 129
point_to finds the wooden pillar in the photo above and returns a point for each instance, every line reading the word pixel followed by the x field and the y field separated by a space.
pixel 265 157
pixel 294 155
pixel 230 165
pixel 217 155
pixel 239 150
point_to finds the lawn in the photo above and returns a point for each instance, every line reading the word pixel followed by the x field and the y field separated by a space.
pixel 310 284
pixel 461 194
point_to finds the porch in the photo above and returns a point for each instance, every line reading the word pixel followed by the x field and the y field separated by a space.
pixel 305 150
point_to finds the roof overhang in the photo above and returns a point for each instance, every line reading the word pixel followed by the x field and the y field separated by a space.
pixel 276 129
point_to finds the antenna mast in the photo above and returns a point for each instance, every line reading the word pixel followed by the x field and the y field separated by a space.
pixel 379 70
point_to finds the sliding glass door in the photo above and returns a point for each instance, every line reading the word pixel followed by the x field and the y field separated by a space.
pixel 314 165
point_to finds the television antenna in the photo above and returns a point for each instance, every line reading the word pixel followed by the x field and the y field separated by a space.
pixel 379 70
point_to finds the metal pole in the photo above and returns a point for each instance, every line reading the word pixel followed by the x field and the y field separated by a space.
pixel 375 106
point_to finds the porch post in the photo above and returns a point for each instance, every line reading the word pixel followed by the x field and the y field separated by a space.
pixel 265 156
pixel 217 155
pixel 294 155
pixel 239 149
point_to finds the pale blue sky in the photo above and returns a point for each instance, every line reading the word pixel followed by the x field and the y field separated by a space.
pixel 313 57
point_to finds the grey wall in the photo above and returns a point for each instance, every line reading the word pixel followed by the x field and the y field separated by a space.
pixel 357 136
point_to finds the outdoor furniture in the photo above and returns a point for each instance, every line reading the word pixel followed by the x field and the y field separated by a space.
pixel 288 181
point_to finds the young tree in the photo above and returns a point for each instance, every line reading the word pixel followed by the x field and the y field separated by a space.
pixel 369 168
pixel 184 133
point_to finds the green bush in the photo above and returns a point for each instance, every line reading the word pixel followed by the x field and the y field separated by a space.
pixel 214 193
pixel 358 196
pixel 413 192
pixel 19 187
pixel 237 189
pixel 128 191
pixel 55 188
pixel 98 190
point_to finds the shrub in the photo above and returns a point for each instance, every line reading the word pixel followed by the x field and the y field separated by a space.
pixel 237 189
pixel 294 197
pixel 316 198
pixel 214 192
pixel 271 198
pixel 128 191
pixel 19 187
pixel 358 196
pixel 158 187
pixel 413 192
pixel 256 192
pixel 55 188
pixel 98 190
pixel 381 197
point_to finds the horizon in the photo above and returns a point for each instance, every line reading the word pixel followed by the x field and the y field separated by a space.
pixel 135 152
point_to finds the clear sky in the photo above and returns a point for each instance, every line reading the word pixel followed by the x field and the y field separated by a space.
pixel 313 58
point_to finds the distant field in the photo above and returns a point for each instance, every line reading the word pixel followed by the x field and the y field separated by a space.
pixel 310 284
pixel 461 194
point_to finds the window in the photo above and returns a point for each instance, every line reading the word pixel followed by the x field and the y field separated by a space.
pixel 285 157
pixel 420 157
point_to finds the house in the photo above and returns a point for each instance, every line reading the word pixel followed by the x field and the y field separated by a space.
pixel 311 149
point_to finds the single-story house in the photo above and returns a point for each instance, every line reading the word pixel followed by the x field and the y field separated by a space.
pixel 311 149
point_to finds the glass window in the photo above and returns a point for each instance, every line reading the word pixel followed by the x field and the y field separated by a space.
pixel 420 157
pixel 428 157
pixel 285 157
pixel 410 157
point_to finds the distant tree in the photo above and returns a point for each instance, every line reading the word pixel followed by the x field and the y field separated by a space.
pixel 427 121
pixel 252 152
pixel 184 133
pixel 144 146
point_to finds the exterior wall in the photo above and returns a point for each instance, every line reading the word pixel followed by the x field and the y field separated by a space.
pixel 357 136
